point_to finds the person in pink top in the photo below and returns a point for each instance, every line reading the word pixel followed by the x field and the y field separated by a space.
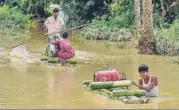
pixel 65 49
pixel 54 25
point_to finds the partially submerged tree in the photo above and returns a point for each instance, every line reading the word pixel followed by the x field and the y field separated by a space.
pixel 146 41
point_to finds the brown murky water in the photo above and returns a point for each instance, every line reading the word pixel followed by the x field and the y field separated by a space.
pixel 38 85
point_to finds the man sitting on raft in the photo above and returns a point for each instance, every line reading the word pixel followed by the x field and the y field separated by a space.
pixel 148 82
pixel 65 51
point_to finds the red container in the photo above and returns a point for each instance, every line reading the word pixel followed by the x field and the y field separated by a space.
pixel 106 76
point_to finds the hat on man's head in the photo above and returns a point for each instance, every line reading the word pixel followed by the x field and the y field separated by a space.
pixel 53 6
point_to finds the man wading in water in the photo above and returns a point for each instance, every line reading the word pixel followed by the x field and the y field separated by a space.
pixel 147 82
pixel 54 26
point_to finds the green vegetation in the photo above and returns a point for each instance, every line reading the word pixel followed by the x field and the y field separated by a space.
pixel 168 39
pixel 110 20
pixel 13 18
pixel 14 24
pixel 119 27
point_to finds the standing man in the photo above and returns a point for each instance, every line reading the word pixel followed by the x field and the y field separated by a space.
pixel 54 26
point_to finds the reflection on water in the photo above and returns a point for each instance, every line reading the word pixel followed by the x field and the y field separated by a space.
pixel 38 85
pixel 18 64
pixel 59 79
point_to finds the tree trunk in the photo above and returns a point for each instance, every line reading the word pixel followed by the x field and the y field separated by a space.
pixel 146 41
pixel 137 11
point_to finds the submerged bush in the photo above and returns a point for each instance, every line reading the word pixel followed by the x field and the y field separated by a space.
pixel 122 37
pixel 114 35
pixel 167 40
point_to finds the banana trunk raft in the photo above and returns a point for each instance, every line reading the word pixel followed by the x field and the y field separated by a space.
pixel 117 90
pixel 55 60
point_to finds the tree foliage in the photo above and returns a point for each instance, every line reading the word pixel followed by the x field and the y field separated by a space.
pixel 82 11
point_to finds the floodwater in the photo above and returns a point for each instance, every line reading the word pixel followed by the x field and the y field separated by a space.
pixel 38 85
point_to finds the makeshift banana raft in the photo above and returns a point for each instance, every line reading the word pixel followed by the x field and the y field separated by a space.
pixel 55 60
pixel 118 90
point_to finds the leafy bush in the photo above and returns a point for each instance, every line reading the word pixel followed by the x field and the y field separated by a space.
pixel 14 25
pixel 121 16
pixel 113 35
pixel 158 21
pixel 14 18
pixel 167 40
